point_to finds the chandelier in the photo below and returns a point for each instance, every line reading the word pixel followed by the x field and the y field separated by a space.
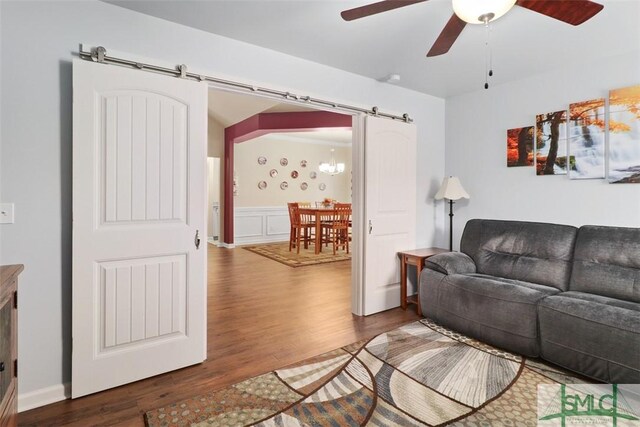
pixel 331 168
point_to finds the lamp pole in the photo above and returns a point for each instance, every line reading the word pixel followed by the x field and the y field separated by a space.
pixel 450 225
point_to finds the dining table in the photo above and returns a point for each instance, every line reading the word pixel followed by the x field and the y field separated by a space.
pixel 319 213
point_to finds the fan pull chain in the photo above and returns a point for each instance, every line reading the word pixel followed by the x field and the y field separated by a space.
pixel 488 62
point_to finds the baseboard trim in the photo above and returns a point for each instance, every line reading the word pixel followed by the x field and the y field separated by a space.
pixel 224 245
pixel 242 241
pixel 43 396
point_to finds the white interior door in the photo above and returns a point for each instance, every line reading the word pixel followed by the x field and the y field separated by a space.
pixel 139 191
pixel 390 208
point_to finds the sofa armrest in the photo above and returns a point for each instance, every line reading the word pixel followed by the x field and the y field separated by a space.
pixel 451 263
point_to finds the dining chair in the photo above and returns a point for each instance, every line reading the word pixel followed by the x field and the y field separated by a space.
pixel 338 228
pixel 350 219
pixel 299 232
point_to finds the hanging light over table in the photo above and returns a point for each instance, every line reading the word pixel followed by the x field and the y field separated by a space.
pixel 331 168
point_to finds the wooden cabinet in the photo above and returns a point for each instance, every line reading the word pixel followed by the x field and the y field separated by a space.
pixel 8 345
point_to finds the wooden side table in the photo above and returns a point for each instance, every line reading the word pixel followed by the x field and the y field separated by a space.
pixel 414 257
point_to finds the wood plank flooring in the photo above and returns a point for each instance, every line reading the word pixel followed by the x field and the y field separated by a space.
pixel 262 315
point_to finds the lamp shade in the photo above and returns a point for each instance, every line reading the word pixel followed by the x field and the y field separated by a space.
pixel 476 11
pixel 451 189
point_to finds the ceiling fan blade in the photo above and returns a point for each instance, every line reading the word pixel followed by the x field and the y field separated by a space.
pixel 573 12
pixel 448 36
pixel 374 8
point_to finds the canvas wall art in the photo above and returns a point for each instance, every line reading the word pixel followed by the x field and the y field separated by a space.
pixel 587 139
pixel 551 143
pixel 520 146
pixel 624 135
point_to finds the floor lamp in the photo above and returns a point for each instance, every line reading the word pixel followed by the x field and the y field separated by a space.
pixel 451 189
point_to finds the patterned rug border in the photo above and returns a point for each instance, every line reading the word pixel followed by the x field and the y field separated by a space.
pixel 353 354
pixel 255 248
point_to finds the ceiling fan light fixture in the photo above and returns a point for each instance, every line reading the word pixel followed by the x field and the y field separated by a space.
pixel 481 11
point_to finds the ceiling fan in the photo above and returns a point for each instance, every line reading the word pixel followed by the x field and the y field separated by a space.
pixel 573 12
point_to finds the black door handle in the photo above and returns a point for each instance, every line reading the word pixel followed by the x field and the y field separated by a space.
pixel 1 366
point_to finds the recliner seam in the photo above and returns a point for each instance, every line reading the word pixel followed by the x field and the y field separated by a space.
pixel 588 320
pixel 501 299
pixel 586 354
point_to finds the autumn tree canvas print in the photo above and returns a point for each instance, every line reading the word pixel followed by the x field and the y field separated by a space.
pixel 587 139
pixel 520 146
pixel 551 143
pixel 624 135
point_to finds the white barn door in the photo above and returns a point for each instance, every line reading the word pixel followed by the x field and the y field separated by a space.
pixel 139 191
pixel 390 208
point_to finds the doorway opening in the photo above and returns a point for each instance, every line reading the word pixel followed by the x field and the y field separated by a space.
pixel 272 152
pixel 269 169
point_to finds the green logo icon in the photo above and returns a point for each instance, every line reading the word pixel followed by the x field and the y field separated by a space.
pixel 588 404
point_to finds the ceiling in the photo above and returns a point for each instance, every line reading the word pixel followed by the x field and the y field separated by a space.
pixel 229 108
pixel 523 42
pixel 334 137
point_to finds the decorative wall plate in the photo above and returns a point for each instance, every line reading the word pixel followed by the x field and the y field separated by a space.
pixel 273 173
pixel 284 185
pixel 322 186
pixel 303 163
pixel 262 160
pixel 294 174
pixel 304 186
pixel 284 161
pixel 313 175
pixel 262 185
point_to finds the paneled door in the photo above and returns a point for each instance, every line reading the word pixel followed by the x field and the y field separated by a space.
pixel 390 208
pixel 139 191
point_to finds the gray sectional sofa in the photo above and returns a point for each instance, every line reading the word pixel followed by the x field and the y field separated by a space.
pixel 568 295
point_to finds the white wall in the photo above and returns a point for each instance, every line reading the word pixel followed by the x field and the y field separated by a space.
pixel 39 39
pixel 213 196
pixel 476 126
pixel 250 173
pixel 215 148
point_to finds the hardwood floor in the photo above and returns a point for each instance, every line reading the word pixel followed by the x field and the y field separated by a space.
pixel 262 315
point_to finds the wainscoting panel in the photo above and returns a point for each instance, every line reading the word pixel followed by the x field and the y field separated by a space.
pixel 261 225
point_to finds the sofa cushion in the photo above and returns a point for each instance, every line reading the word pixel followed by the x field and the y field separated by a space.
pixel 592 334
pixel 451 263
pixel 527 251
pixel 607 262
pixel 499 311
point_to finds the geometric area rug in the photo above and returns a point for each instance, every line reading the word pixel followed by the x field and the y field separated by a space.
pixel 280 252
pixel 420 374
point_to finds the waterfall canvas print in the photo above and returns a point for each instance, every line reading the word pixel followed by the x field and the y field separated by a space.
pixel 624 135
pixel 587 139
pixel 551 143
pixel 520 146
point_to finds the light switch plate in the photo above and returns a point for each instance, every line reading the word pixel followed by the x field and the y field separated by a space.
pixel 6 213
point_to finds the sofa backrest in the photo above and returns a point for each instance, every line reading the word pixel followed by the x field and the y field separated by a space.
pixel 607 262
pixel 528 251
